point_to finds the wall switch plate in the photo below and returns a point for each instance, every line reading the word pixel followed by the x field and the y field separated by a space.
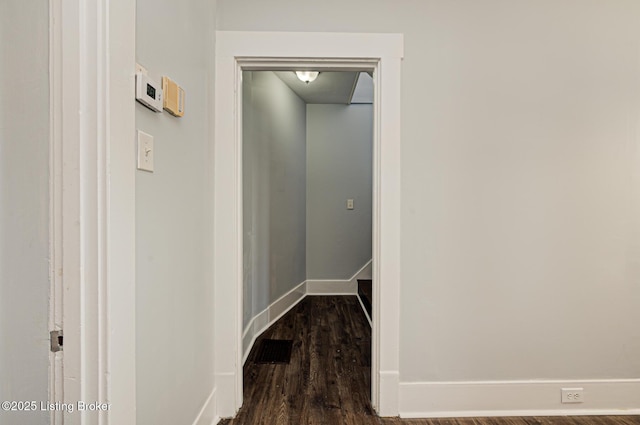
pixel 349 204
pixel 573 395
pixel 145 151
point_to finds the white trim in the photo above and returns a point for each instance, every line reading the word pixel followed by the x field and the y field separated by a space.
pixel 365 272
pixel 207 414
pixel 389 391
pixel 339 286
pixel 364 310
pixel 56 371
pixel 517 398
pixel 385 353
pixel 93 52
pixel 331 287
pixel 379 52
pixel 285 303
pixel 254 329
pixel 225 400
pixel 267 317
pixel 68 89
pixel 312 46
pixel 82 239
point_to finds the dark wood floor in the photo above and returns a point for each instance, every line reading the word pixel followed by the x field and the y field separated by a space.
pixel 327 381
pixel 328 378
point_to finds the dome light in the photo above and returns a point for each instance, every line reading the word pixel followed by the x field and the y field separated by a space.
pixel 307 76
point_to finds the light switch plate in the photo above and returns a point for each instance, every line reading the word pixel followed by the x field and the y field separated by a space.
pixel 145 151
pixel 349 204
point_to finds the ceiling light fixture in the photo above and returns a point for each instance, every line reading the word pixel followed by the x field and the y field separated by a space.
pixel 307 76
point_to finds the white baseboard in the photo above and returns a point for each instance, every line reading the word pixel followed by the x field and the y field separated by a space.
pixel 225 395
pixel 517 398
pixel 331 287
pixel 339 286
pixel 366 313
pixel 208 413
pixel 365 272
pixel 389 398
pixel 269 316
pixel 252 331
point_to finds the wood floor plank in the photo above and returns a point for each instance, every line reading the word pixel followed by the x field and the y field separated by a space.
pixel 328 380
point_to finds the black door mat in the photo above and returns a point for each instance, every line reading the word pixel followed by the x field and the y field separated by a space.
pixel 274 351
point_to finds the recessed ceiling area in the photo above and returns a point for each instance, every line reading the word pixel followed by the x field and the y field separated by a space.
pixel 331 87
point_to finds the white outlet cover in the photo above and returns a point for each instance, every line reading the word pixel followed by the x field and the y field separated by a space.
pixel 145 151
pixel 349 204
pixel 573 395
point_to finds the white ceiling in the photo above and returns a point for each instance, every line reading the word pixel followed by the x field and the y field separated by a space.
pixel 331 87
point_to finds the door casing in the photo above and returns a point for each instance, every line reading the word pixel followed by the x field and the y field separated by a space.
pixel 92 208
pixel 240 51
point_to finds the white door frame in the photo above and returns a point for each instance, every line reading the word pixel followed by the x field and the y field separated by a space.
pixel 92 207
pixel 236 51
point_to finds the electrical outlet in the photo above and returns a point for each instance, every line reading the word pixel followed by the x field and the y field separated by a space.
pixel 573 395
pixel 349 204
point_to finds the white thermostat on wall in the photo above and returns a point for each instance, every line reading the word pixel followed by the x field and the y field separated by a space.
pixel 148 92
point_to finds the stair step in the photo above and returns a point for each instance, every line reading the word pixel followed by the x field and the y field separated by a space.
pixel 365 292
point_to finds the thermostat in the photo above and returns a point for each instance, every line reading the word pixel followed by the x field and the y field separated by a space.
pixel 148 92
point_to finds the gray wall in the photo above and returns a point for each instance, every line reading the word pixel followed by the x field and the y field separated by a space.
pixel 274 175
pixel 24 206
pixel 520 184
pixel 174 292
pixel 339 159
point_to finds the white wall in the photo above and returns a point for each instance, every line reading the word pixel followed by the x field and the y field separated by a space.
pixel 274 188
pixel 339 159
pixel 520 180
pixel 174 219
pixel 24 206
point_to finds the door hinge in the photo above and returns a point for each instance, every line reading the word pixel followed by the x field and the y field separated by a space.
pixel 56 341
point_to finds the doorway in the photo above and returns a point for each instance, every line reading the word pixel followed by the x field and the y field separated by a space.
pixel 378 53
pixel 307 209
